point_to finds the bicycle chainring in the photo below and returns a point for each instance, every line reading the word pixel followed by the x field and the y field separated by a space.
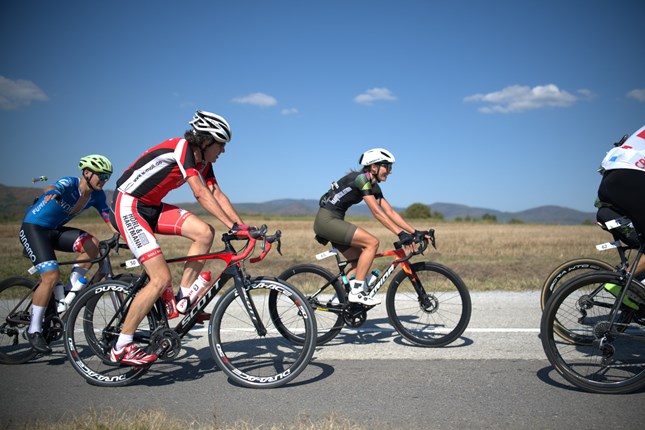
pixel 355 315
pixel 165 343
pixel 53 329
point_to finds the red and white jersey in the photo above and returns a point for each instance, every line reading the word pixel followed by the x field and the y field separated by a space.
pixel 630 155
pixel 162 169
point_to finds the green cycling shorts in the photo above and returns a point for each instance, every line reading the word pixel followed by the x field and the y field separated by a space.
pixel 334 228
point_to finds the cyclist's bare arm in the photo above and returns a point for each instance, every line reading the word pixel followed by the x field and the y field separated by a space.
pixel 381 215
pixel 207 200
pixel 225 203
pixel 395 217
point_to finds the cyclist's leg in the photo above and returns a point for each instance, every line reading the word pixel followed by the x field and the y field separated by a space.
pixel 136 223
pixel 178 222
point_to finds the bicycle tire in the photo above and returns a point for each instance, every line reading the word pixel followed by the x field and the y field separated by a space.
pixel 315 282
pixel 255 360
pixel 568 270
pixel 585 306
pixel 15 314
pixel 92 328
pixel 435 316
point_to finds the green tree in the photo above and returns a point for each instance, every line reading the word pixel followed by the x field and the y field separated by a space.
pixel 417 211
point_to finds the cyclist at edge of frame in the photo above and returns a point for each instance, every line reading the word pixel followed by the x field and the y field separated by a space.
pixel 623 182
pixel 44 231
pixel 352 241
pixel 139 213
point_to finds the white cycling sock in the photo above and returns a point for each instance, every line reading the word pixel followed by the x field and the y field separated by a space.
pixel 123 340
pixel 36 323
pixel 357 286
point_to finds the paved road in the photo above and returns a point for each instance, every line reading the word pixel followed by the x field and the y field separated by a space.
pixel 495 376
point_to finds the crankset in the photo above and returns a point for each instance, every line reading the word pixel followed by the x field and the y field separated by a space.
pixel 355 315
pixel 165 343
pixel 53 329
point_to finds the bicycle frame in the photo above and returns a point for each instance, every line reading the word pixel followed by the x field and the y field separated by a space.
pixel 233 269
pixel 400 259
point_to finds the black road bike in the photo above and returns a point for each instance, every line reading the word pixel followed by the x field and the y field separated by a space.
pixel 15 306
pixel 427 303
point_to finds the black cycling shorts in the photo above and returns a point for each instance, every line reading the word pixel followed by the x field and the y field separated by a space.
pixel 625 190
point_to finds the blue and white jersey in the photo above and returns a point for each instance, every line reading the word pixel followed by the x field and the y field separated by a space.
pixel 630 155
pixel 58 212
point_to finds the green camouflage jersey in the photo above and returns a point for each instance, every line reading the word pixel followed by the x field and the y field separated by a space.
pixel 348 191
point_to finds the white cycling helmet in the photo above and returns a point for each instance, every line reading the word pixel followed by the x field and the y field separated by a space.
pixel 376 155
pixel 215 125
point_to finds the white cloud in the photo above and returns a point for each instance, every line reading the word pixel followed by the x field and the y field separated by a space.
pixel 516 98
pixel 637 94
pixel 257 99
pixel 374 94
pixel 19 93
pixel 290 111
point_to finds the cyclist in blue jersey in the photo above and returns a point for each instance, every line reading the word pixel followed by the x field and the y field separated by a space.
pixel 43 232
pixel 354 242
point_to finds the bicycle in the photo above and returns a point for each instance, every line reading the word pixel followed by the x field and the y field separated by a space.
pixel 243 336
pixel 603 350
pixel 427 303
pixel 625 240
pixel 15 306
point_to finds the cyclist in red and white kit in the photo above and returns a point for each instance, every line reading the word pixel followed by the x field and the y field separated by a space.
pixel 623 182
pixel 139 214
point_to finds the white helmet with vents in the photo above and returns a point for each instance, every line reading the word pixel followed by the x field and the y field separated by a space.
pixel 215 125
pixel 376 155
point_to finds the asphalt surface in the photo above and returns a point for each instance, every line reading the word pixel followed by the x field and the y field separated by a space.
pixel 496 376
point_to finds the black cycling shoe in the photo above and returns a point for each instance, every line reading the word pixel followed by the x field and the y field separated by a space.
pixel 38 342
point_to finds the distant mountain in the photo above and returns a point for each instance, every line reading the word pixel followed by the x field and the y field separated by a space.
pixel 15 200
pixel 539 215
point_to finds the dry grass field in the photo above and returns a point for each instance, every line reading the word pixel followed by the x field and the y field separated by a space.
pixel 512 257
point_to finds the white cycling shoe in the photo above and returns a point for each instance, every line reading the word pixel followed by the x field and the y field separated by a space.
pixel 357 295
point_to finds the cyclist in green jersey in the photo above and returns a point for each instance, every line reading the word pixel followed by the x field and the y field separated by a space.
pixel 354 242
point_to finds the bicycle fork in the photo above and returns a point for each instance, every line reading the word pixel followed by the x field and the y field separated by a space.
pixel 243 286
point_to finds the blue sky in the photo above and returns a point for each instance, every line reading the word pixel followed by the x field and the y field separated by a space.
pixel 505 105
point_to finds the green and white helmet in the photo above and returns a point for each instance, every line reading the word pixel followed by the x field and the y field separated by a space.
pixel 96 163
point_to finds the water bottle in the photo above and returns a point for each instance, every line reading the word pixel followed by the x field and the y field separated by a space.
pixel 77 285
pixel 170 303
pixel 202 280
pixel 371 279
pixel 59 296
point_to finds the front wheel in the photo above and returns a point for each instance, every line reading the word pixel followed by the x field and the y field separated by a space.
pixel 430 307
pixel 257 355
pixel 596 355
pixel 93 326
pixel 15 315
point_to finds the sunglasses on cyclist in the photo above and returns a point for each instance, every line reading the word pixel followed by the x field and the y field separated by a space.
pixel 103 176
pixel 388 166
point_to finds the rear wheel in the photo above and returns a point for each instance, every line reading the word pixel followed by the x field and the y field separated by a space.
pixel 569 270
pixel 93 326
pixel 266 359
pixel 431 307
pixel 325 294
pixel 15 315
